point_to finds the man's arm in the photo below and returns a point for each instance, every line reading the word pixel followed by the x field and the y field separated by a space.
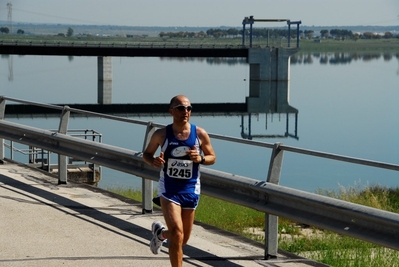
pixel 156 140
pixel 206 146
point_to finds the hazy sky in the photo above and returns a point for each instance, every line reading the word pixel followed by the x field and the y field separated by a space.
pixel 207 13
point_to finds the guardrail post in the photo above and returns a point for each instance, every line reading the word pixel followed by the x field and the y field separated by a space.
pixel 275 165
pixel 62 159
pixel 2 112
pixel 271 221
pixel 147 185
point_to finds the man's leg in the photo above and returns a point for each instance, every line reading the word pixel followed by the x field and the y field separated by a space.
pixel 175 234
pixel 188 221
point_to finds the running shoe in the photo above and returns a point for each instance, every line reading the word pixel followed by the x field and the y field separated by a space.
pixel 156 243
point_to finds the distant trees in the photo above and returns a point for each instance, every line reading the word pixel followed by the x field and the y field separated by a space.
pixel 309 33
pixel 233 32
pixel 69 32
pixel 230 33
pixel 339 34
pixel 370 35
pixel 388 35
pixel 256 32
pixel 7 30
pixel 4 30
pixel 324 33
pixel 217 33
pixel 182 34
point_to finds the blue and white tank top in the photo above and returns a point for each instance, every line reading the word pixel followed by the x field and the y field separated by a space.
pixel 179 173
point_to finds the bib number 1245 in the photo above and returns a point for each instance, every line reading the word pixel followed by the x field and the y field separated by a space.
pixel 179 173
pixel 181 169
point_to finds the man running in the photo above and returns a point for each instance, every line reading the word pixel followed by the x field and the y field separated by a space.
pixel 184 146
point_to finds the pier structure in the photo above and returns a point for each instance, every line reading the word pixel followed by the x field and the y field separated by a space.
pixel 104 85
pixel 265 63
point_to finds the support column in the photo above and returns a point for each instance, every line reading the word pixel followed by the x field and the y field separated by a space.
pixel 147 185
pixel 2 113
pixel 104 88
pixel 62 159
pixel 270 64
pixel 269 97
pixel 269 80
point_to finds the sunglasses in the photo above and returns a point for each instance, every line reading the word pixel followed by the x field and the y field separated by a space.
pixel 182 108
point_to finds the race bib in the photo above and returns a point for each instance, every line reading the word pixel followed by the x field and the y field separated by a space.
pixel 181 169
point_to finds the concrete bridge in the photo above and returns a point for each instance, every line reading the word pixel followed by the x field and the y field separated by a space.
pixel 269 64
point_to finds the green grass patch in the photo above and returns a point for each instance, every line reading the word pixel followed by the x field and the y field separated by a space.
pixel 127 192
pixel 319 245
pixel 340 251
pixel 235 218
pixel 336 250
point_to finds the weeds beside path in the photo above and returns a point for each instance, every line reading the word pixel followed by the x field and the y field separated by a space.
pixel 316 244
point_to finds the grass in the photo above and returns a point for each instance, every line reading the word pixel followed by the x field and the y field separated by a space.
pixel 322 246
pixel 361 45
pixel 340 251
pixel 337 250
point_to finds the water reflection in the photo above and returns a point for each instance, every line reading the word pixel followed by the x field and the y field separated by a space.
pixel 209 60
pixel 332 58
pixel 340 57
pixel 271 98
pixel 246 132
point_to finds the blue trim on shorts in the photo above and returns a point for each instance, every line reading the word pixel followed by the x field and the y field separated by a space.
pixel 186 201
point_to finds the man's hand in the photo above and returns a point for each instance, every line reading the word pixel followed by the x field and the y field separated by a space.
pixel 194 155
pixel 158 161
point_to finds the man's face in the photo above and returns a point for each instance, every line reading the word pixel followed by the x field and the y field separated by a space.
pixel 181 110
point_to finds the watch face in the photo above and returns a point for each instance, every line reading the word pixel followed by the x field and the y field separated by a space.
pixel 180 151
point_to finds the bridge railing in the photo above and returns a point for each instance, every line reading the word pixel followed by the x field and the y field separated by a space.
pixel 365 223
pixel 259 43
pixel 43 158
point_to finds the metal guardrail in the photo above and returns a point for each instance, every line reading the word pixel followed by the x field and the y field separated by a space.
pixel 365 223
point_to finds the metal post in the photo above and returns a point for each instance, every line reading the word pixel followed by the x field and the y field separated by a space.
pixel 243 33
pixel 250 35
pixel 297 34
pixel 2 112
pixel 287 124
pixel 249 126
pixel 11 150
pixel 289 33
pixel 62 159
pixel 297 31
pixel 147 185
pixel 271 221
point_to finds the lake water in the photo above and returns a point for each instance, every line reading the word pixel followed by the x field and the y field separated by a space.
pixel 347 105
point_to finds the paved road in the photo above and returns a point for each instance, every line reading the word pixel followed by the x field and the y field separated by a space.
pixel 45 224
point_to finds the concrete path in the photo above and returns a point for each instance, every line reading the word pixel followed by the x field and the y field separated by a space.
pixel 45 224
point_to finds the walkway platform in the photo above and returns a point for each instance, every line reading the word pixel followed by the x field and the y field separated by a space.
pixel 46 224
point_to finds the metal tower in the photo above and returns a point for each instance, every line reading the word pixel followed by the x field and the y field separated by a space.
pixel 9 17
pixel 10 59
